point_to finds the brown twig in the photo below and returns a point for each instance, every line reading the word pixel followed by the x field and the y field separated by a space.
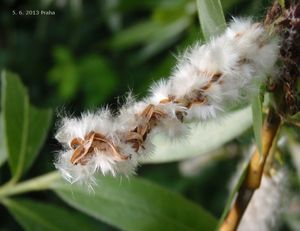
pixel 254 173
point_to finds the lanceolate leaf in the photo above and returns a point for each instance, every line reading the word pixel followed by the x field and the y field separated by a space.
pixel 211 17
pixel 203 138
pixel 257 120
pixel 136 205
pixel 39 123
pixel 3 154
pixel 24 127
pixel 33 215
pixel 15 109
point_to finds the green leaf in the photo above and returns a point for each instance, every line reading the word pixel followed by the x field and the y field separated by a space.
pixel 34 215
pixel 211 17
pixel 3 154
pixel 232 195
pixel 24 127
pixel 15 109
pixel 256 105
pixel 203 138
pixel 136 205
pixel 39 123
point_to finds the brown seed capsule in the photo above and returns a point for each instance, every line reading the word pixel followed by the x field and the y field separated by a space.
pixel 93 142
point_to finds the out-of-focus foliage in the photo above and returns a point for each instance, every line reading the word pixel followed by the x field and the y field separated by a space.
pixel 130 43
pixel 85 56
pixel 91 75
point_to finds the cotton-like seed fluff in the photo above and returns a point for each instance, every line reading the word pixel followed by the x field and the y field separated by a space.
pixel 208 80
pixel 264 212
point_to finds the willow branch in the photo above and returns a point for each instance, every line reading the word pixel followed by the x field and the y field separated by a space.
pixel 254 173
pixel 36 184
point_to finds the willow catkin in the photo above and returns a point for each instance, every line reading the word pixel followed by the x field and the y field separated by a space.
pixel 207 80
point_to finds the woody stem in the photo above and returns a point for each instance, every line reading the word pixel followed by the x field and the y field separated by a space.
pixel 254 173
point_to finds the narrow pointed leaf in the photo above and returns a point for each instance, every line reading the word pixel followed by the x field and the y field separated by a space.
pixel 136 205
pixel 257 121
pixel 34 215
pixel 15 108
pixel 24 126
pixel 3 154
pixel 39 123
pixel 211 17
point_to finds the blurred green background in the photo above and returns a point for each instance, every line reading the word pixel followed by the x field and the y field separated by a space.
pixel 90 53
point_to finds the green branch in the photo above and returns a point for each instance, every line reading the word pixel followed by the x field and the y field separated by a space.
pixel 36 184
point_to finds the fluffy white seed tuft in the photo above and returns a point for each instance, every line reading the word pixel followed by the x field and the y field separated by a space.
pixel 267 204
pixel 208 80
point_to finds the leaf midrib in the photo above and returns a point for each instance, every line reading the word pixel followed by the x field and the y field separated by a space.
pixel 22 151
pixel 16 168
